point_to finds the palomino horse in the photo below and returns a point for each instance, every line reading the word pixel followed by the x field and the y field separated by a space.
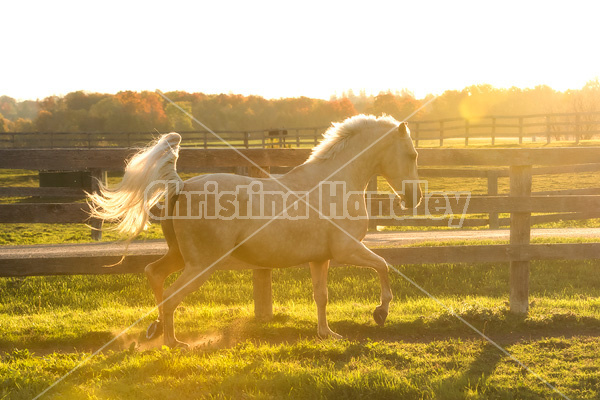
pixel 309 221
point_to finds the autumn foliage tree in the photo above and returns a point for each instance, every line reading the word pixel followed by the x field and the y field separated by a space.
pixel 399 106
pixel 129 111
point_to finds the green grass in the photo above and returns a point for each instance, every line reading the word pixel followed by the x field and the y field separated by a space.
pixel 49 324
pixel 20 234
pixel 454 369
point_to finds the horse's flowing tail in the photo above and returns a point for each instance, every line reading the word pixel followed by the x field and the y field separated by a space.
pixel 149 175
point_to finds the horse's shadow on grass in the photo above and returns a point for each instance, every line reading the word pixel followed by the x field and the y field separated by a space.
pixel 283 328
pixel 505 329
pixel 475 378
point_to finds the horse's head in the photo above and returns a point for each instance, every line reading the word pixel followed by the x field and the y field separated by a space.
pixel 399 166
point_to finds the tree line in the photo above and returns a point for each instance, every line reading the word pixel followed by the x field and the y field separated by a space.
pixel 129 111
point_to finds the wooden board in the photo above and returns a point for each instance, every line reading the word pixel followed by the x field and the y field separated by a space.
pixel 533 156
pixel 44 213
pixel 91 259
pixel 78 212
pixel 488 204
pixel 16 191
pixel 193 159
pixel 114 159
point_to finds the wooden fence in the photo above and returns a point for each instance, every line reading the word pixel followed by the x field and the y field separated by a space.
pixel 544 127
pixel 520 204
pixel 262 139
pixel 99 161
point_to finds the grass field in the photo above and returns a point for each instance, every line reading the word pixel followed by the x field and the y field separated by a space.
pixel 49 325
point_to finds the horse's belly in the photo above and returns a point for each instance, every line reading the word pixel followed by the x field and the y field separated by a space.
pixel 277 248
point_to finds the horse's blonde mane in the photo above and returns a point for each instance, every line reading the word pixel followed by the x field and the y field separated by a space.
pixel 335 138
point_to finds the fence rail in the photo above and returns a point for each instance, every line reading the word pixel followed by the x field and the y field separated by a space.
pixel 545 127
pixel 380 208
pixel 520 203
pixel 226 160
pixel 262 139
pixel 91 259
pixel 191 160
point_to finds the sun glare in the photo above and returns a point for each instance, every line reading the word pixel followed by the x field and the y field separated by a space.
pixel 284 50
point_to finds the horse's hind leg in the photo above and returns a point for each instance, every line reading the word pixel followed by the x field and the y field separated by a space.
pixel 192 277
pixel 318 272
pixel 157 272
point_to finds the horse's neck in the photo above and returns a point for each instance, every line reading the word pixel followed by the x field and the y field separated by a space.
pixel 345 166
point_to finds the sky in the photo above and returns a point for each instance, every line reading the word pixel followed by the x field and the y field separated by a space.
pixel 295 48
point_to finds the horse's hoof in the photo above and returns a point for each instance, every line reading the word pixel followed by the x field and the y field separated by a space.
pixel 179 345
pixel 380 315
pixel 154 330
pixel 329 335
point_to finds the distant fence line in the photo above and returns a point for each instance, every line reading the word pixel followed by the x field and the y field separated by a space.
pixel 548 127
pixel 545 127
pixel 262 139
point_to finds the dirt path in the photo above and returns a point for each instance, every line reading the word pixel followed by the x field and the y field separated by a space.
pixel 410 237
pixel 373 239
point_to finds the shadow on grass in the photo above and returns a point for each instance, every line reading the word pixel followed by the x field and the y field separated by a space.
pixel 499 324
pixel 476 379
pixel 504 328
pixel 292 379
pixel 373 364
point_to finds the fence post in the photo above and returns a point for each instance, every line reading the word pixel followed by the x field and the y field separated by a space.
pixel 466 132
pixel 492 190
pixel 316 137
pixel 520 130
pixel 577 129
pixel 297 137
pixel 246 139
pixel 262 278
pixel 205 140
pixel 441 133
pixel 520 233
pixel 97 176
pixel 547 129
pixel 371 188
pixel 493 131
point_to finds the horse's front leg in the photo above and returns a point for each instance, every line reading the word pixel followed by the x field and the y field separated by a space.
pixel 356 253
pixel 318 273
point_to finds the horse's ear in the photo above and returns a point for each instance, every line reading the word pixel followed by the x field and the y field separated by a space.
pixel 403 128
